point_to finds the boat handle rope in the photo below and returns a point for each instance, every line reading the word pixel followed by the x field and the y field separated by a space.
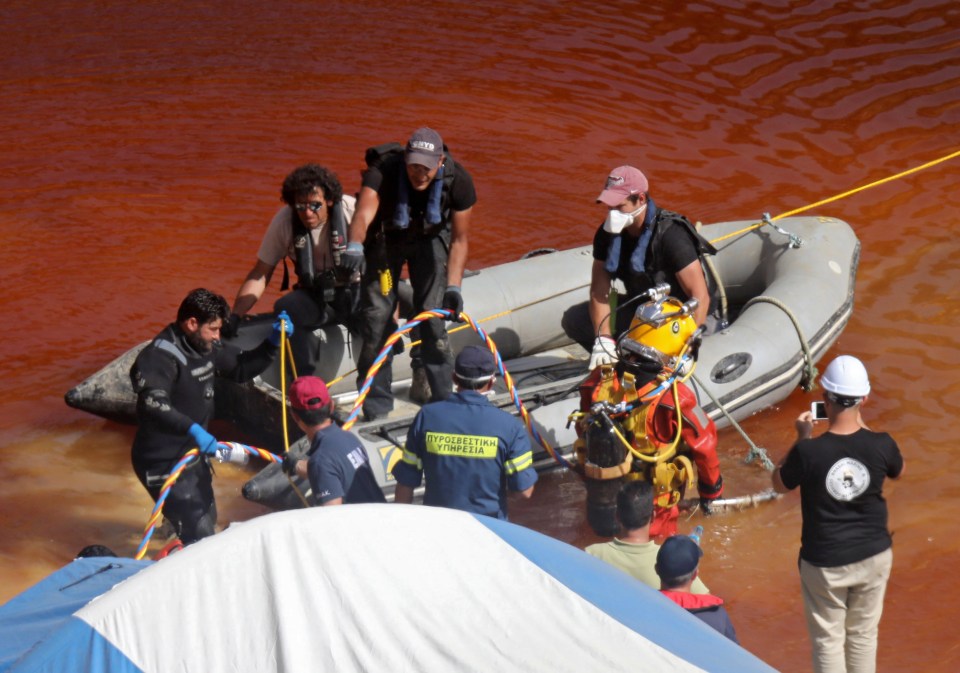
pixel 171 479
pixel 808 380
pixel 445 314
pixel 756 452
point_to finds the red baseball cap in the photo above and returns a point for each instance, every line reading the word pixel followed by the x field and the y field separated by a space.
pixel 622 182
pixel 309 392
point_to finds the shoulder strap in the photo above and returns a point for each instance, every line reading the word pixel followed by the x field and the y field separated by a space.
pixel 171 348
pixel 338 229
pixel 303 264
pixel 704 247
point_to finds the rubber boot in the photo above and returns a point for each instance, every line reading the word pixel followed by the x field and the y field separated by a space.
pixel 420 386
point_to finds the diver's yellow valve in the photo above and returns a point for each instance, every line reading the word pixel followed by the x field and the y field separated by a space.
pixel 663 494
pixel 685 471
pixel 386 282
pixel 671 480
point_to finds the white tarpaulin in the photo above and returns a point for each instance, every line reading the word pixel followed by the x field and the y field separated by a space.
pixel 383 588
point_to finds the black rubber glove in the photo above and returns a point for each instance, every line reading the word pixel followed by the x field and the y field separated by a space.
pixel 289 463
pixel 453 301
pixel 230 326
pixel 351 259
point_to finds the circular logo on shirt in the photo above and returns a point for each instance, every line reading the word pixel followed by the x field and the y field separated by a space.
pixel 847 479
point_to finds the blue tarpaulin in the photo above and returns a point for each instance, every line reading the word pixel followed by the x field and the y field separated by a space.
pixel 27 619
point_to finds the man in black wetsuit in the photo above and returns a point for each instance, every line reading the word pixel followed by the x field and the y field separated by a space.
pixel 414 208
pixel 173 378
pixel 642 245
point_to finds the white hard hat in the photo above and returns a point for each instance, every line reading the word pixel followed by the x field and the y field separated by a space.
pixel 846 376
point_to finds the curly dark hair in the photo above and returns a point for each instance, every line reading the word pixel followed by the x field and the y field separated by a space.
pixel 305 179
pixel 203 305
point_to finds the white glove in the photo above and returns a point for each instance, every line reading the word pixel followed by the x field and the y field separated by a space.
pixel 604 352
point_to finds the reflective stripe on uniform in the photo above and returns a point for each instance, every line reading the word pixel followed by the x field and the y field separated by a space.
pixel 411 459
pixel 520 463
pixel 462 446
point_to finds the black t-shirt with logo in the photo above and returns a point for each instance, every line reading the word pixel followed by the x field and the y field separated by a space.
pixel 841 494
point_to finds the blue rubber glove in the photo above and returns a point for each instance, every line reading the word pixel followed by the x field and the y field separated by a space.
pixel 206 442
pixel 352 258
pixel 453 301
pixel 287 326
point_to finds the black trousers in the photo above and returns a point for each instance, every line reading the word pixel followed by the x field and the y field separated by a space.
pixel 190 505
pixel 308 311
pixel 426 260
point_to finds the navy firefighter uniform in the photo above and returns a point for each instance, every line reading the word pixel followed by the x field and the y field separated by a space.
pixel 339 467
pixel 470 452
pixel 174 384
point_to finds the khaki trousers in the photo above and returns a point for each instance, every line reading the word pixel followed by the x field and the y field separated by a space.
pixel 843 605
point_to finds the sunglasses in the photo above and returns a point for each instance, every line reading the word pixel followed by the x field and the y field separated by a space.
pixel 313 206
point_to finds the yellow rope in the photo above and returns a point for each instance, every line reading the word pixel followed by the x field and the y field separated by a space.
pixel 293 365
pixel 283 386
pixel 837 197
pixel 286 350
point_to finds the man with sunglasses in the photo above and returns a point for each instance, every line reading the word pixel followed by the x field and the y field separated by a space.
pixel 311 229
pixel 845 545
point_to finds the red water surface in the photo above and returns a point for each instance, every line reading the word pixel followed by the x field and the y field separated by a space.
pixel 144 145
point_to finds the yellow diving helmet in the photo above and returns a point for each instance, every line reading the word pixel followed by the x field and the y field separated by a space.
pixel 661 331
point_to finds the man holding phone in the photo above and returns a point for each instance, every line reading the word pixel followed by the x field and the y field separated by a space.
pixel 845 552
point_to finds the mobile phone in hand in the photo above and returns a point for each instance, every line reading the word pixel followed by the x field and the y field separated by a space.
pixel 819 411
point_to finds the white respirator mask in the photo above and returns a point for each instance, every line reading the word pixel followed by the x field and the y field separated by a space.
pixel 617 220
